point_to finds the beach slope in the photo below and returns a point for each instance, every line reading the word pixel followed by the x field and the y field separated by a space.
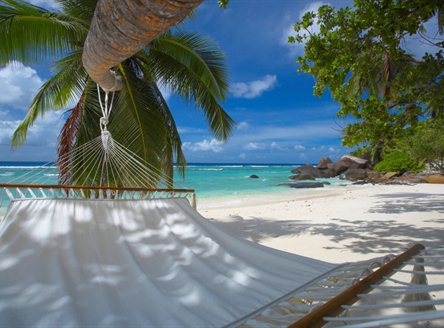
pixel 337 225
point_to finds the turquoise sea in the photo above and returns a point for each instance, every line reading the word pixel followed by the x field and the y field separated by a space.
pixel 209 180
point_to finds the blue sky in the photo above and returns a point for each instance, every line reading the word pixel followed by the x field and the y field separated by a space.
pixel 278 118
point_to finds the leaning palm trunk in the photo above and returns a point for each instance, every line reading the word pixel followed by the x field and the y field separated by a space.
pixel 121 28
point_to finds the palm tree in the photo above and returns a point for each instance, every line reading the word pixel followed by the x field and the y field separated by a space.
pixel 191 65
pixel 121 28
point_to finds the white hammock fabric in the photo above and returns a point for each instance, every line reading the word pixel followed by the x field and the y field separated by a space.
pixel 134 263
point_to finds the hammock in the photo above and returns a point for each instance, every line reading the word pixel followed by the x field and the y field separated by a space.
pixel 155 262
pixel 131 263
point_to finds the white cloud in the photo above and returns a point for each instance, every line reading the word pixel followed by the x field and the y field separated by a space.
pixel 298 48
pixel 253 89
pixel 262 146
pixel 42 135
pixel 254 146
pixel 48 4
pixel 299 148
pixel 191 130
pixel 204 145
pixel 242 156
pixel 275 146
pixel 18 85
pixel 7 128
pixel 242 125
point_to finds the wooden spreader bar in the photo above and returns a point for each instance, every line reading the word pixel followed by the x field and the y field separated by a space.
pixel 45 186
pixel 99 189
pixel 333 307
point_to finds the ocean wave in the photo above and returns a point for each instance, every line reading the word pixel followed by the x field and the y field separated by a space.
pixel 220 169
pixel 52 174
pixel 6 174
pixel 231 165
pixel 259 165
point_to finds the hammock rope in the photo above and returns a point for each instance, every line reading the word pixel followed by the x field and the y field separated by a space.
pixel 102 162
pixel 363 294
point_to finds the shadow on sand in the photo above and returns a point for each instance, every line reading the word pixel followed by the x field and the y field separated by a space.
pixel 409 202
pixel 361 236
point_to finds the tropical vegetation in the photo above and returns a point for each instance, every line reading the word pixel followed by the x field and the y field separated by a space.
pixel 426 144
pixel 191 65
pixel 361 55
pixel 398 161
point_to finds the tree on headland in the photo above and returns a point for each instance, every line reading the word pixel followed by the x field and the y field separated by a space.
pixel 191 65
pixel 426 144
pixel 360 56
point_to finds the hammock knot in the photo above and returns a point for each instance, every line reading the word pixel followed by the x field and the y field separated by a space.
pixel 107 142
pixel 103 124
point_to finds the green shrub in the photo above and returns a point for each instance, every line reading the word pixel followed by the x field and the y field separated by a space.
pixel 362 152
pixel 397 161
pixel 427 144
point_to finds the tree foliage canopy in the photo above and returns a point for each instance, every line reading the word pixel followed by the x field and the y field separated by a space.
pixel 360 55
pixel 426 144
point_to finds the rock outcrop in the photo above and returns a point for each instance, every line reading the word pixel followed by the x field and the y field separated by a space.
pixel 435 178
pixel 329 172
pixel 394 178
pixel 300 185
pixel 355 162
pixel 323 163
pixel 302 176
pixel 306 169
pixel 350 162
pixel 354 174
pixel 388 175
pixel 327 169
pixel 358 170
pixel 253 176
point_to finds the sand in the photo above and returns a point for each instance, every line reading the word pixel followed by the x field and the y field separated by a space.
pixel 336 225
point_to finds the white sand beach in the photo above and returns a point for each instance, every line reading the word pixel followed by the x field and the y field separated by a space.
pixel 336 225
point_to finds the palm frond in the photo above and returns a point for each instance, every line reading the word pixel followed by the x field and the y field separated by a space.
pixel 135 102
pixel 67 139
pixel 173 147
pixel 31 34
pixel 56 93
pixel 194 68
pixel 174 141
pixel 200 56
pixel 137 122
pixel 81 9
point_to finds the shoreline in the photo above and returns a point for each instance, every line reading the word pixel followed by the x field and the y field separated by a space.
pixel 340 224
pixel 250 198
